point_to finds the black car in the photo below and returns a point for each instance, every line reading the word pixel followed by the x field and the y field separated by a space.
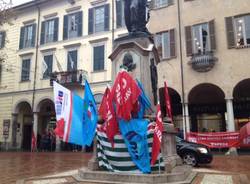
pixel 193 154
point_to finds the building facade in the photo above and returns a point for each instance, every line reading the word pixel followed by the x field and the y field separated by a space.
pixel 68 40
pixel 204 46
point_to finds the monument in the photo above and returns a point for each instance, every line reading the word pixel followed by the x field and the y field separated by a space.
pixel 136 53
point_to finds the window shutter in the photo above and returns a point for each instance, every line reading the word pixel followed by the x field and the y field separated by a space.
pixel 170 2
pixel 42 33
pixel 79 24
pixel 230 32
pixel 65 27
pixel 91 21
pixel 21 38
pixel 99 58
pixel 55 36
pixel 3 39
pixel 28 69
pixel 106 26
pixel 172 43
pixel 33 35
pixel 212 35
pixel 119 13
pixel 74 58
pixel 188 33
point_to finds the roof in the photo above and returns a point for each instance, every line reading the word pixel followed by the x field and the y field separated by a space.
pixel 30 4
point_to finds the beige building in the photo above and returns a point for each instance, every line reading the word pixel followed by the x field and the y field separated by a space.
pixel 204 46
pixel 68 39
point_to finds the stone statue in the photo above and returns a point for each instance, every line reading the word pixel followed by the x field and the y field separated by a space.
pixel 128 62
pixel 154 79
pixel 136 14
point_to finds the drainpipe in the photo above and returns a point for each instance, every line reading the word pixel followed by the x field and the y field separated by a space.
pixel 182 72
pixel 35 71
pixel 113 23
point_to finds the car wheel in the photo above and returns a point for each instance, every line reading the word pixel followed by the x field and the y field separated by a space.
pixel 190 159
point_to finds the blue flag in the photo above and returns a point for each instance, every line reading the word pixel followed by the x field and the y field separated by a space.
pixel 75 127
pixel 144 101
pixel 90 116
pixel 134 134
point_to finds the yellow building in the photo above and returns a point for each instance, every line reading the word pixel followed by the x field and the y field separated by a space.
pixel 204 46
pixel 68 39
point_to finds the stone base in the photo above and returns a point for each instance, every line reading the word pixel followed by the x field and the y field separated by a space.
pixel 171 162
pixel 232 152
pixel 180 174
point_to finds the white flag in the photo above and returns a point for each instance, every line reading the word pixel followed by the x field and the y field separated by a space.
pixel 59 67
pixel 44 67
pixel 63 105
pixel 71 62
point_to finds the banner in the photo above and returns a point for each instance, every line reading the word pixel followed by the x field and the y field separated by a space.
pixel 90 116
pixel 157 136
pixel 117 158
pixel 215 139
pixel 168 102
pixel 134 133
pixel 69 115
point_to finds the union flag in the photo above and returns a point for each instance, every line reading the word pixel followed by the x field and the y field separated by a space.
pixel 125 93
pixel 156 147
pixel 107 112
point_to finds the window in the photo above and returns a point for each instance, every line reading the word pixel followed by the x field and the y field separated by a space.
pixel 2 39
pixel 72 60
pixel 165 44
pixel 27 36
pixel 47 66
pixel 98 58
pixel 72 25
pixel 49 31
pixel 120 18
pixel 162 3
pixel 242 30
pixel 25 75
pixel 99 19
pixel 200 38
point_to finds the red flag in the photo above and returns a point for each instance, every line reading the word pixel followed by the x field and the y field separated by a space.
pixel 125 93
pixel 107 113
pixel 156 147
pixel 168 102
pixel 59 130
pixel 33 142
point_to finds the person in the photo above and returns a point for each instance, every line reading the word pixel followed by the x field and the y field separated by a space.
pixel 154 80
pixel 135 15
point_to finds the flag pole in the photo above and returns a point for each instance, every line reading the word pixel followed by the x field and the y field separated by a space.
pixel 159 166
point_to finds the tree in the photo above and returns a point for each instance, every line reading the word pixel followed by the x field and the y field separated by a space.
pixel 5 14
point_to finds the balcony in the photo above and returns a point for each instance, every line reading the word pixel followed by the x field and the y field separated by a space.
pixel 203 62
pixel 68 78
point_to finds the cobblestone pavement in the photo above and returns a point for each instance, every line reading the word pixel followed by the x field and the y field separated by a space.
pixel 225 169
pixel 16 166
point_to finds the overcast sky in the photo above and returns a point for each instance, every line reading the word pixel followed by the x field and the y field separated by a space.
pixel 17 2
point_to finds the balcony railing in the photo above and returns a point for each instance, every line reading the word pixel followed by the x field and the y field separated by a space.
pixel 203 62
pixel 69 77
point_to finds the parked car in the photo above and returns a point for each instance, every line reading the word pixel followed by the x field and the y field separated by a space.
pixel 193 154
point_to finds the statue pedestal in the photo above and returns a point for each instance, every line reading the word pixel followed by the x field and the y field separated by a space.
pixel 142 51
pixel 143 57
pixel 168 148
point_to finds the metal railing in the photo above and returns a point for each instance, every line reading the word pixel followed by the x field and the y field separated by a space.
pixel 69 77
pixel 203 62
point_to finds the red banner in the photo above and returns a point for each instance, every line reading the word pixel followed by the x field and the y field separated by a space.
pixel 215 139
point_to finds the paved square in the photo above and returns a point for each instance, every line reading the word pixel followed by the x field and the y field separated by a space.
pixel 217 179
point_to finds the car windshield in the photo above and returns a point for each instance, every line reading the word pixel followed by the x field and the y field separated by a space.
pixel 178 139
